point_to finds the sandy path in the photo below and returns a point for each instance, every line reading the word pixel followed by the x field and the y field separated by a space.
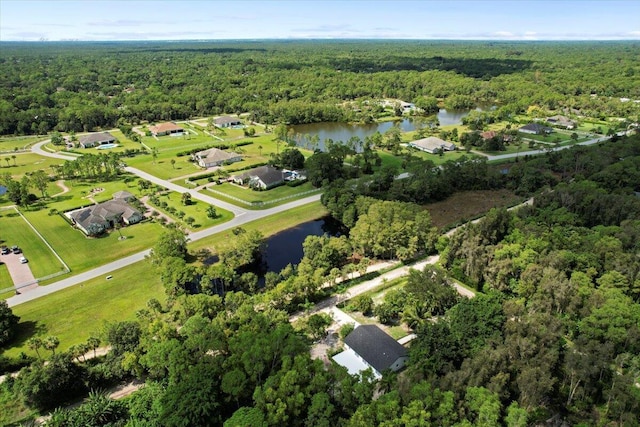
pixel 64 188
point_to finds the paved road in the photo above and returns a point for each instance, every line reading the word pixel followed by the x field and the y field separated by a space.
pixel 544 150
pixel 106 269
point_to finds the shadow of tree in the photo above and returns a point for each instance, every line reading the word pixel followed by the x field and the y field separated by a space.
pixel 26 330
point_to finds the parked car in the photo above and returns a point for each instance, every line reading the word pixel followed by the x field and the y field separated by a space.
pixel 23 260
pixel 16 250
pixel 4 250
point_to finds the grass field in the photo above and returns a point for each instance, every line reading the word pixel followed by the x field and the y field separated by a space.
pixel 15 231
pixel 85 308
pixel 25 163
pixel 251 196
pixel 197 210
pixel 82 253
pixel 5 280
pixel 11 143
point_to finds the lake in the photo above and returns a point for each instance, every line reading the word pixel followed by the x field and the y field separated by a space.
pixel 344 131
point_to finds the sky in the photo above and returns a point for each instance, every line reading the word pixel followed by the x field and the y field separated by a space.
pixel 99 20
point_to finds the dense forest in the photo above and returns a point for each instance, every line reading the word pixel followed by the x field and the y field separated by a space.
pixel 87 86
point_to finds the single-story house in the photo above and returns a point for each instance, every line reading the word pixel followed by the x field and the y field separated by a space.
pixel 226 121
pixel 490 134
pixel 96 219
pixel 93 139
pixel 215 157
pixel 561 121
pixel 432 144
pixel 535 129
pixel 261 178
pixel 168 128
pixel 368 346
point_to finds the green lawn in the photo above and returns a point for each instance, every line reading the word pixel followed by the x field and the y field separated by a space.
pixel 197 210
pixel 25 163
pixel 267 226
pixel 5 280
pixel 251 196
pixel 11 143
pixel 82 253
pixel 15 231
pixel 75 313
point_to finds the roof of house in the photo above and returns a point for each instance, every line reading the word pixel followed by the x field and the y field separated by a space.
pixel 375 346
pixel 103 212
pixel 267 174
pixel 536 127
pixel 226 120
pixel 488 134
pixel 431 143
pixel 215 155
pixel 96 138
pixel 123 195
pixel 165 127
pixel 559 118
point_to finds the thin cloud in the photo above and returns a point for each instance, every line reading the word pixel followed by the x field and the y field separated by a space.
pixel 121 23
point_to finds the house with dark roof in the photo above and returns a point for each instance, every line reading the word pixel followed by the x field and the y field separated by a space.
pixel 168 128
pixel 432 144
pixel 93 139
pixel 215 157
pixel 535 129
pixel 261 178
pixel 368 346
pixel 98 218
pixel 561 122
pixel 227 121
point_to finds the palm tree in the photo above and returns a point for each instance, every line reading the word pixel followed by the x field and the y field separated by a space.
pixel 14 159
pixel 35 344
pixel 154 154
pixel 7 159
pixel 51 343
pixel 173 163
pixel 260 150
pixel 93 343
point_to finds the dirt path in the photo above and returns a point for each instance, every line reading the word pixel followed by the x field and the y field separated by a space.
pixel 64 188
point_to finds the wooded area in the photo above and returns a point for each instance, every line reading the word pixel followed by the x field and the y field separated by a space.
pixel 87 86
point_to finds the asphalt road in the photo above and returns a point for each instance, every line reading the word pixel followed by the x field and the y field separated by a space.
pixel 242 216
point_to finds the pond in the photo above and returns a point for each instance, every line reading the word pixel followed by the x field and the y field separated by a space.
pixel 3 190
pixel 344 131
pixel 286 247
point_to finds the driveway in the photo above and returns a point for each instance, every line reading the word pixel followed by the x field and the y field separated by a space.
pixel 21 274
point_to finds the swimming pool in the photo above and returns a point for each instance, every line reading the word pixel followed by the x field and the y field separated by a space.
pixel 106 146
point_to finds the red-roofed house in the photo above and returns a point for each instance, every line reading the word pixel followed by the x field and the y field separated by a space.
pixel 168 128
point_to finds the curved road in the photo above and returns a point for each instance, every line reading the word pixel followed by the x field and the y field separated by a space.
pixel 241 217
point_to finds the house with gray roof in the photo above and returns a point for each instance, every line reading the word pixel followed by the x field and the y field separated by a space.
pixel 227 121
pixel 368 346
pixel 535 129
pixel 93 139
pixel 561 121
pixel 215 157
pixel 432 144
pixel 98 218
pixel 262 178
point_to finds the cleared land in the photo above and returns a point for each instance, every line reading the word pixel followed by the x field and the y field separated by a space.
pixel 25 163
pixel 468 205
pixel 251 196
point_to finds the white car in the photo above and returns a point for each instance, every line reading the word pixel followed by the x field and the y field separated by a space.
pixel 23 260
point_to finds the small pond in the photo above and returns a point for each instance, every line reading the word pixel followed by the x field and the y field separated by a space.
pixel 3 190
